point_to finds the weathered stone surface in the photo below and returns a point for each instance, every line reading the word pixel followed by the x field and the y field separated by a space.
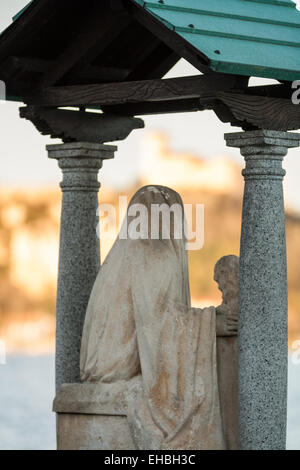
pixel 138 339
pixel 263 291
pixel 93 416
pixel 227 277
pixel 88 398
pixel 93 432
pixel 146 328
pixel 79 260
pixel 105 415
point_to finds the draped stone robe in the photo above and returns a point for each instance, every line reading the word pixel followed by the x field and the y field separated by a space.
pixel 141 331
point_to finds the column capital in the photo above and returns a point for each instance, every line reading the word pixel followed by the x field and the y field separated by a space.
pixel 80 163
pixel 262 138
pixel 263 151
pixel 81 150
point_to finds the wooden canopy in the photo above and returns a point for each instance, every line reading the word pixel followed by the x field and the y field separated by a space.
pixel 247 37
pixel 79 42
pixel 112 55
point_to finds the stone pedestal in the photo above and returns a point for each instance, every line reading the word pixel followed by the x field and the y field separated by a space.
pixel 79 259
pixel 263 347
pixel 92 417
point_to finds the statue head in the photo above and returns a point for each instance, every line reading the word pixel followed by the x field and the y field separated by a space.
pixel 227 277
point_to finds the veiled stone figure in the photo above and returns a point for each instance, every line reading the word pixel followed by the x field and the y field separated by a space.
pixel 142 334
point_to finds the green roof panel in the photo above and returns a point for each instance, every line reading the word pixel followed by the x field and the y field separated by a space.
pixel 247 37
pixel 20 13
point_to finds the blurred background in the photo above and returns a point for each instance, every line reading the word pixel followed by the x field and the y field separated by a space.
pixel 186 152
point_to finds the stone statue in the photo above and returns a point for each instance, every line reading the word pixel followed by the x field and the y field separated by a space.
pixel 227 277
pixel 142 336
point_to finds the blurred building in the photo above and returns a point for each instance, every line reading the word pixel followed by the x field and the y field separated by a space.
pixel 29 240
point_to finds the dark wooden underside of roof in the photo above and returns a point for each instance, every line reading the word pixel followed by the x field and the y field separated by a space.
pixel 80 43
pixel 111 55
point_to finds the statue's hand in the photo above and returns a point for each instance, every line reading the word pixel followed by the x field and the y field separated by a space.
pixel 227 321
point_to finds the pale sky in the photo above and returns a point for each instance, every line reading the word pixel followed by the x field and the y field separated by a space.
pixel 24 160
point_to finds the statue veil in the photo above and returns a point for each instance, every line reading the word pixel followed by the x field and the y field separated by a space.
pixel 141 330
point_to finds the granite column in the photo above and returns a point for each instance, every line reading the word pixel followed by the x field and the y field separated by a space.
pixel 79 259
pixel 263 342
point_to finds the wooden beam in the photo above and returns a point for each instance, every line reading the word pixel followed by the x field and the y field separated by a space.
pixel 195 104
pixel 157 107
pixel 262 112
pixel 139 52
pixel 200 86
pixel 71 126
pixel 101 74
pixel 163 58
pixel 24 73
pixel 17 66
pixel 170 38
pixel 271 91
pixel 225 115
pixel 29 24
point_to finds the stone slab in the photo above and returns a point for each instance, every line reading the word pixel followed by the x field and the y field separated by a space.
pixel 89 398
pixel 93 432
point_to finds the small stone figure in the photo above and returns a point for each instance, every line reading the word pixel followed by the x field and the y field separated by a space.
pixel 142 335
pixel 227 277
